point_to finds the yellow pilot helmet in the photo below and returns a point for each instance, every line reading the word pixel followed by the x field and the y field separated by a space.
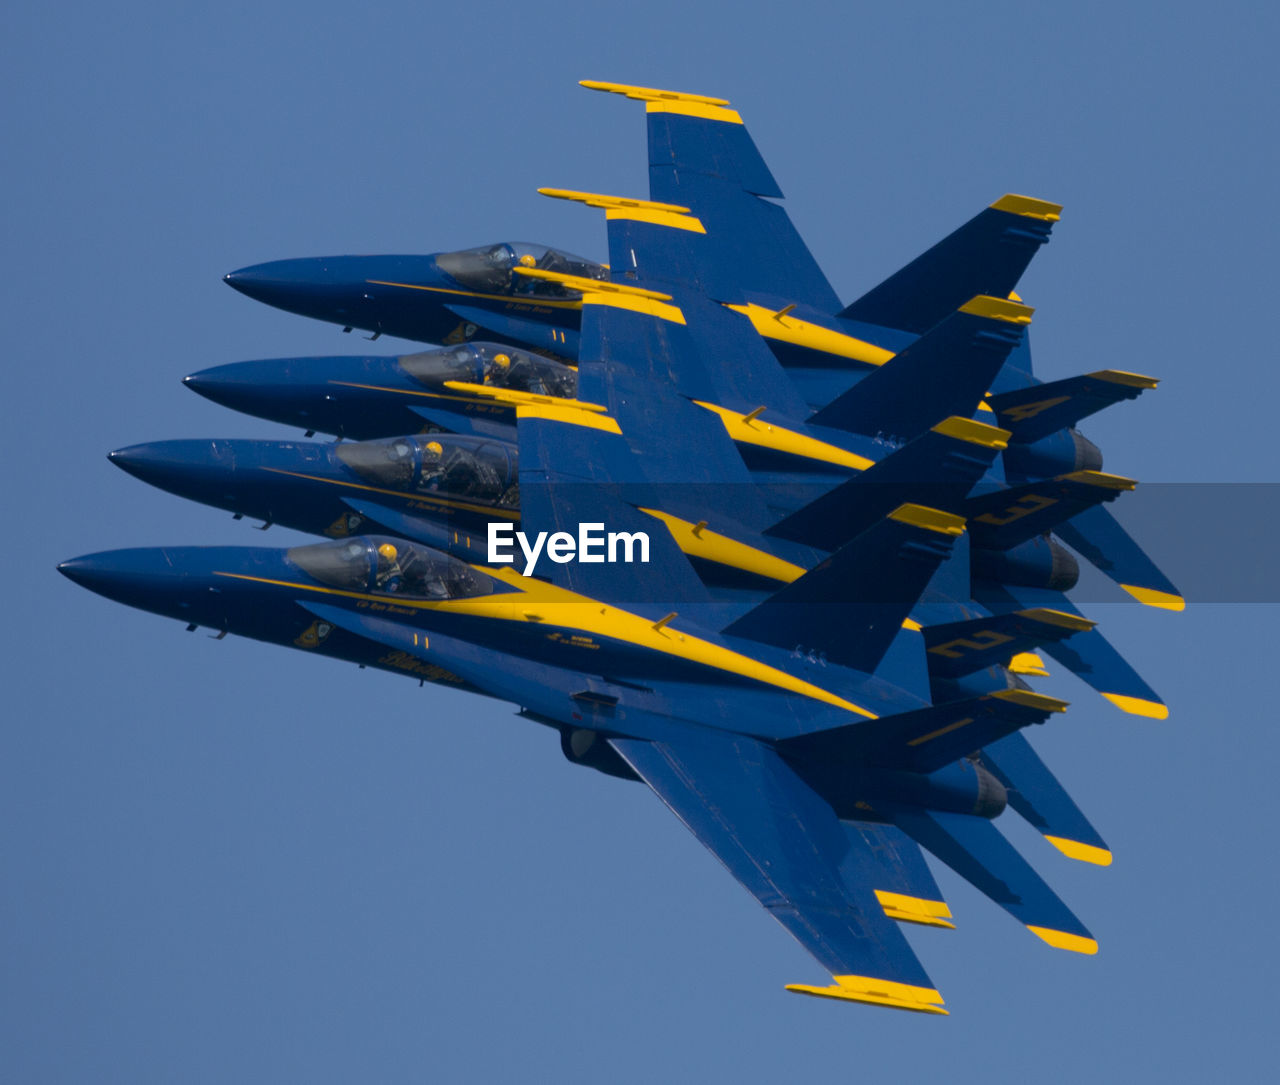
pixel 386 550
pixel 435 448
pixel 502 360
pixel 528 260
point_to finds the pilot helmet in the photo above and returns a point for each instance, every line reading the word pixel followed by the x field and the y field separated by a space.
pixel 528 260
pixel 502 360
pixel 387 551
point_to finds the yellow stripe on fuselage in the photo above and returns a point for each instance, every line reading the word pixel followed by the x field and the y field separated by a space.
pixel 550 303
pixel 536 602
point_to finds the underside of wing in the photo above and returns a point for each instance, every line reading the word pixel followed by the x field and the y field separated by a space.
pixel 785 845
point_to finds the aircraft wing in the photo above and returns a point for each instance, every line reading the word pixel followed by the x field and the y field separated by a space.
pixel 785 845
pixel 702 157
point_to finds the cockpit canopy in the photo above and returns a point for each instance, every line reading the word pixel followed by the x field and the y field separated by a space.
pixel 494 364
pixel 475 469
pixel 488 269
pixel 383 565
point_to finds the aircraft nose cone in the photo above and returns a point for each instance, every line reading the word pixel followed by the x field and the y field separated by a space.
pixel 242 386
pixel 88 572
pixel 185 467
pixel 263 282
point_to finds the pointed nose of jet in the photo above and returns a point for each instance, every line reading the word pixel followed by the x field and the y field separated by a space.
pixel 281 283
pixel 88 572
pixel 134 577
pixel 181 467
pixel 251 387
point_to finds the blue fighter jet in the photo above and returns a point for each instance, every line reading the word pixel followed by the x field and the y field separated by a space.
pixel 446 297
pixel 790 645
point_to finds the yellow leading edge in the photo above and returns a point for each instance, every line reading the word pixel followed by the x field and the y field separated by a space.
pixel 751 430
pixel 617 295
pixel 622 207
pixel 877 992
pixel 698 541
pixel 785 328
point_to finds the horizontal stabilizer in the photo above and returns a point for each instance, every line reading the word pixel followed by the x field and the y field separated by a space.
pixel 945 372
pixel 959 648
pixel 852 605
pixel 987 255
pixel 937 469
pixel 1088 655
pixel 1035 412
pixel 976 850
pixel 1002 519
pixel 1035 793
pixel 1097 536
pixel 927 739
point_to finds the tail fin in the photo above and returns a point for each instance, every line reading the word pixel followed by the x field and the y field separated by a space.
pixel 976 850
pixel 937 469
pixel 945 372
pixel 1004 518
pixel 1036 794
pixel 852 605
pixel 987 255
pixel 701 157
pixel 1107 545
pixel 959 648
pixel 927 739
pixel 1035 412
pixel 1088 655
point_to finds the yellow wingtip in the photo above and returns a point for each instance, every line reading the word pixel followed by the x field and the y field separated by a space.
pixel 1137 706
pixel 1011 312
pixel 1029 206
pixel 1075 943
pixel 1149 597
pixel 976 433
pixel 1030 664
pixel 876 992
pixel 1086 853
pixel 944 523
pixel 908 909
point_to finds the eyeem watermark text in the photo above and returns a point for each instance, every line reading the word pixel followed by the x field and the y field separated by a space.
pixel 592 545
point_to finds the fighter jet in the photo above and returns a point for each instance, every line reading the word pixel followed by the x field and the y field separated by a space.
pixel 444 297
pixel 810 730
pixel 471 388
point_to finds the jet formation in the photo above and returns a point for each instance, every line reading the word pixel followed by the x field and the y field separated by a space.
pixel 790 563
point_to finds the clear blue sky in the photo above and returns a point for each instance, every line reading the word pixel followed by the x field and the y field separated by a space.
pixel 228 862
